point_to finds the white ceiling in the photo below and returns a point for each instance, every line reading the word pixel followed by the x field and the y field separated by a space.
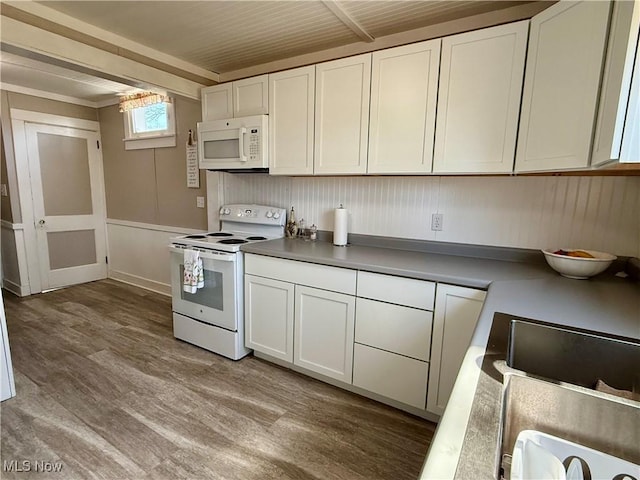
pixel 227 35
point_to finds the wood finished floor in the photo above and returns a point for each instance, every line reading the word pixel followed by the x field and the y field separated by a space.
pixel 103 387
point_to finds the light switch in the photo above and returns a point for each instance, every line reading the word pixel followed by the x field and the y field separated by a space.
pixel 200 202
pixel 3 190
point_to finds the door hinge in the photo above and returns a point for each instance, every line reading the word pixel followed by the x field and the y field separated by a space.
pixel 98 144
pixel 106 260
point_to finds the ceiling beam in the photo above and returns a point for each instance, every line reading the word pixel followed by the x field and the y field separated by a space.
pixel 27 40
pixel 483 20
pixel 48 19
pixel 342 15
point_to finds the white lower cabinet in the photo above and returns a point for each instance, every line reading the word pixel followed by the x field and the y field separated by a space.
pixel 384 337
pixel 323 329
pixel 456 314
pixel 269 316
pixel 393 376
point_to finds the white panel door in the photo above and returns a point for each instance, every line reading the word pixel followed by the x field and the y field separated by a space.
pixel 479 100
pixel 342 115
pixel 251 96
pixel 65 167
pixel 404 89
pixel 455 318
pixel 268 316
pixel 564 64
pixel 217 102
pixel 291 120
pixel 324 324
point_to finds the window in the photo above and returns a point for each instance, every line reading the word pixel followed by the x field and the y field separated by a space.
pixel 150 126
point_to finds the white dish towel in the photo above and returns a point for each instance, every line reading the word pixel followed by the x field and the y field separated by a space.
pixel 193 272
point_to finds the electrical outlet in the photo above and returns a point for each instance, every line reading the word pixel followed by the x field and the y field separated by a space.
pixel 200 202
pixel 436 222
pixel 3 190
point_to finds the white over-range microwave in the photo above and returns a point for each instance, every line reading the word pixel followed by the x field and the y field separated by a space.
pixel 234 143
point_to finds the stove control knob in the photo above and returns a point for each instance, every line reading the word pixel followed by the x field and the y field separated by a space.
pixel 276 215
pixel 226 211
pixel 269 214
pixel 221 211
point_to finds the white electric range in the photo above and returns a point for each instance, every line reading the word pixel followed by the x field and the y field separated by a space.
pixel 213 316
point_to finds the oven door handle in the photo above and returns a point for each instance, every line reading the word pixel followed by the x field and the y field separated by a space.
pixel 206 254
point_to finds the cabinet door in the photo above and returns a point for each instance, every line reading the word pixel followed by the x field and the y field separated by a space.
pixel 217 102
pixel 251 96
pixel 564 63
pixel 630 151
pixel 324 323
pixel 342 115
pixel 404 87
pixel 616 108
pixel 479 100
pixel 269 316
pixel 291 103
pixel 455 317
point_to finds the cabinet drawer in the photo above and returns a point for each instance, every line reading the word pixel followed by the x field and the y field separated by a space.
pixel 390 375
pixel 400 290
pixel 395 328
pixel 302 273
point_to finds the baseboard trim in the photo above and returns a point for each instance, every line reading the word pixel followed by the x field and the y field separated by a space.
pixel 19 290
pixel 152 285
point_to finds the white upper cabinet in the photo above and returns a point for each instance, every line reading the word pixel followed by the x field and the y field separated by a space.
pixel 561 88
pixel 618 109
pixel 251 96
pixel 342 115
pixel 404 89
pixel 217 102
pixel 479 100
pixel 291 103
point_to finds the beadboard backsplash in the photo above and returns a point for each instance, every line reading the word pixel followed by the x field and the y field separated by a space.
pixel 597 213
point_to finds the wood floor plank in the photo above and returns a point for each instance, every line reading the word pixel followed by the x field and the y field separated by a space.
pixel 104 388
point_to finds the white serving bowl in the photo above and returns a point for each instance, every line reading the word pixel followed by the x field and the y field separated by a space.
pixel 578 267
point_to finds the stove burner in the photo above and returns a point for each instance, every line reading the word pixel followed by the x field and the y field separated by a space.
pixel 195 236
pixel 219 234
pixel 232 241
pixel 256 238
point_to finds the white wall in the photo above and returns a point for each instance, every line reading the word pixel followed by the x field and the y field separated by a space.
pixel 592 212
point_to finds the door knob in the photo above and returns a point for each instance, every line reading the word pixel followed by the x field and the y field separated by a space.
pixel 41 222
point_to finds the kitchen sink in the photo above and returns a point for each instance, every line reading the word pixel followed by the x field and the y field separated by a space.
pixel 548 387
pixel 593 419
pixel 576 356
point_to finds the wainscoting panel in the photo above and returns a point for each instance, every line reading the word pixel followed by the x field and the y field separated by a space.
pixel 599 213
pixel 15 277
pixel 139 255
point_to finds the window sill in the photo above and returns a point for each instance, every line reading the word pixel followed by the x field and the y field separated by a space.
pixel 155 142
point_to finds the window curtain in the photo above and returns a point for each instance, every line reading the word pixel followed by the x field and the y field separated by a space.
pixel 129 102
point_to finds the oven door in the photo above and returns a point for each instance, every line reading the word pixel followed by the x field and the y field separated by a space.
pixel 215 303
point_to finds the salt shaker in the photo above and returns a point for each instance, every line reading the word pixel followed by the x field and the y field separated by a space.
pixel 313 232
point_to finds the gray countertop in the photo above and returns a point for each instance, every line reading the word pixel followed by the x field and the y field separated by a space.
pixel 604 303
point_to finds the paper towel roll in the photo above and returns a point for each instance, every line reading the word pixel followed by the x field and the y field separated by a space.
pixel 340 220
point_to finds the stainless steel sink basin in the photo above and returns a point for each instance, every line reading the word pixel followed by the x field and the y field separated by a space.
pixel 593 419
pixel 576 356
pixel 551 390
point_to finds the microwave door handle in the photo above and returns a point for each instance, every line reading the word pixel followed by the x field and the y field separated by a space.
pixel 243 133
